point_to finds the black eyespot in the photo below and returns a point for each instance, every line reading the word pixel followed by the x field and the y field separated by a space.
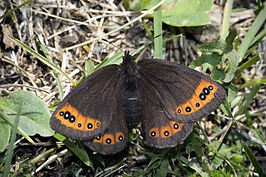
pixel 166 133
pixel 206 91
pixel 89 125
pixel 197 104
pixel 179 110
pixel 67 115
pixel 202 96
pixel 61 113
pixel 72 119
pixel 210 87
pixel 176 126
pixel 98 124
pixel 153 133
pixel 120 138
pixel 188 109
pixel 79 125
pixel 108 141
pixel 98 138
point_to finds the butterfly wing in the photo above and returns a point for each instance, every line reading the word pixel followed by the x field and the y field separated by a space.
pixel 159 130
pixel 115 137
pixel 173 97
pixel 185 94
pixel 87 110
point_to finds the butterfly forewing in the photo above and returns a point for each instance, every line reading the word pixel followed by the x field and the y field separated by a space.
pixel 183 93
pixel 88 110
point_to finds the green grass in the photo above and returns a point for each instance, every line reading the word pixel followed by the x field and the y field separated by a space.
pixel 12 142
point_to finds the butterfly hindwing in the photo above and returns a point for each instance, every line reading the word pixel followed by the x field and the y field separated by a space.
pixel 159 130
pixel 83 113
pixel 115 137
pixel 184 94
pixel 173 98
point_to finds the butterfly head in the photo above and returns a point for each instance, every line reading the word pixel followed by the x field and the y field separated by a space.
pixel 128 60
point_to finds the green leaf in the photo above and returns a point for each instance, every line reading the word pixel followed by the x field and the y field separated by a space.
pixel 194 145
pixel 214 47
pixel 210 61
pixel 232 57
pixel 179 13
pixel 78 150
pixel 219 173
pixel 163 170
pixel 232 93
pixel 224 150
pixel 5 130
pixel 89 68
pixel 34 117
pixel 230 39
pixel 186 12
pixel 193 166
pixel 213 55
pixel 237 158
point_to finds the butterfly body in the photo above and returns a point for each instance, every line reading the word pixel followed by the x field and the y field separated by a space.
pixel 167 98
pixel 132 100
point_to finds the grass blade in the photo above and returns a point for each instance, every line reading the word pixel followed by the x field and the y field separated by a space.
pixel 42 59
pixel 247 41
pixel 253 160
pixel 11 144
pixel 158 38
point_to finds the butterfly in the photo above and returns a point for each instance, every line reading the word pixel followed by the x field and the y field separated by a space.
pixel 165 97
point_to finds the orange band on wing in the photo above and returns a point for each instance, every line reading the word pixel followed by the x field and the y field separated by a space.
pixel 166 131
pixel 109 139
pixel 71 117
pixel 203 94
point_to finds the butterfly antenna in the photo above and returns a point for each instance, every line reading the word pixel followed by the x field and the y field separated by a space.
pixel 126 54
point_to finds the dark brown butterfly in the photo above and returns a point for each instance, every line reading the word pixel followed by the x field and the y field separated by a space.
pixel 167 98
